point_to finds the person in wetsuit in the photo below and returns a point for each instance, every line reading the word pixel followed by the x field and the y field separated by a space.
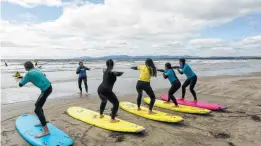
pixel 191 78
pixel 81 70
pixel 147 71
pixel 105 90
pixel 36 63
pixel 37 78
pixel 17 75
pixel 175 83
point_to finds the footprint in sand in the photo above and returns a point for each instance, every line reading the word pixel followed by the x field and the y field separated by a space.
pixel 6 133
pixel 220 135
pixel 255 118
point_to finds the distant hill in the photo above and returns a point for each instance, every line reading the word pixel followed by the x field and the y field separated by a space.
pixel 126 57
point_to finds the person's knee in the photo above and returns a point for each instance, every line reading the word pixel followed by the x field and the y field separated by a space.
pixel 191 89
pixel 170 93
pixel 153 99
pixel 104 101
pixel 37 109
pixel 116 104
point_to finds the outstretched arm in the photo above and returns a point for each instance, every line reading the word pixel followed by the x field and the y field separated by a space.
pixel 161 70
pixel 24 81
pixel 175 67
pixel 116 73
pixel 184 69
pixel 134 67
pixel 78 70
pixel 87 68
pixel 165 76
pixel 179 71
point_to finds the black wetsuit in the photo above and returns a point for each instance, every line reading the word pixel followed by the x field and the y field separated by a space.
pixel 142 85
pixel 39 105
pixel 105 91
pixel 191 82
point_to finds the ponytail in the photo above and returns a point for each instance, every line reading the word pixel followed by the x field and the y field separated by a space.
pixel 152 69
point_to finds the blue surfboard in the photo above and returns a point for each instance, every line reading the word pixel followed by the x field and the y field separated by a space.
pixel 25 125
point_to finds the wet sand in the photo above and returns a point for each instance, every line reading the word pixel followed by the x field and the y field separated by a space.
pixel 239 125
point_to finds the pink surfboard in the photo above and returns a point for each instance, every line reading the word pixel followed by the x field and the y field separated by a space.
pixel 198 104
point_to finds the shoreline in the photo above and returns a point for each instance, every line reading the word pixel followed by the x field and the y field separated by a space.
pixel 238 125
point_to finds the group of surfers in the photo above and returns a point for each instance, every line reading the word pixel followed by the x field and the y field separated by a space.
pixel 105 89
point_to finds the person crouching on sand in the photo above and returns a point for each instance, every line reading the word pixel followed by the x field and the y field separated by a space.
pixel 105 90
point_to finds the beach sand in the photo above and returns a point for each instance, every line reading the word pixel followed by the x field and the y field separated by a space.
pixel 239 125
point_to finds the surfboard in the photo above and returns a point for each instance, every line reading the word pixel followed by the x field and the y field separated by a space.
pixel 25 125
pixel 199 104
pixel 158 116
pixel 93 118
pixel 181 108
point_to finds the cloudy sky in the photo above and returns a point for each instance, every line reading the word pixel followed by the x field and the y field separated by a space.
pixel 71 28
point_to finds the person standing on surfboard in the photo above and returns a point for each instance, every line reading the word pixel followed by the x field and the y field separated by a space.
pixel 191 78
pixel 175 83
pixel 105 90
pixel 147 71
pixel 39 80
pixel 81 70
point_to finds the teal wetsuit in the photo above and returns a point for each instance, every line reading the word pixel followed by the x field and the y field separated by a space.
pixel 191 80
pixel 37 78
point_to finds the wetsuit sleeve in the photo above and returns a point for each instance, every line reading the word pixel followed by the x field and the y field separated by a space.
pixel 185 68
pixel 78 70
pixel 175 67
pixel 160 70
pixel 116 73
pixel 166 74
pixel 24 80
pixel 86 68
pixel 134 67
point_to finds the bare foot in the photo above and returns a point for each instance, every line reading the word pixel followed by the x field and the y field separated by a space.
pixel 114 121
pixel 80 93
pixel 101 116
pixel 166 102
pixel 139 109
pixel 42 134
pixel 37 125
pixel 175 105
pixel 151 113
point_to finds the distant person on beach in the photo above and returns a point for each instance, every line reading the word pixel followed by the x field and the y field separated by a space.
pixel 146 72
pixel 37 78
pixel 175 83
pixel 81 70
pixel 191 78
pixel 36 63
pixel 6 64
pixel 17 75
pixel 105 90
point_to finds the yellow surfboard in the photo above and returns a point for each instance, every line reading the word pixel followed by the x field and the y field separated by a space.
pixel 93 118
pixel 157 116
pixel 181 108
